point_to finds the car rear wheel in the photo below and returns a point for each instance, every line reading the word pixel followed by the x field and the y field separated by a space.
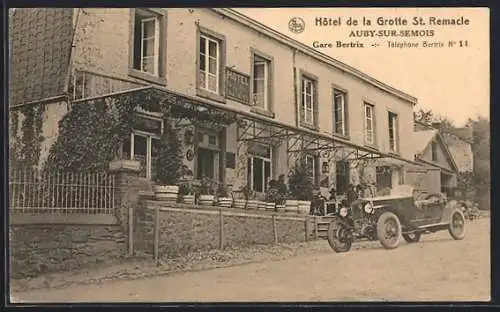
pixel 457 225
pixel 388 230
pixel 412 237
pixel 339 237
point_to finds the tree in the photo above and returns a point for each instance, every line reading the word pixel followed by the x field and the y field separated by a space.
pixel 169 166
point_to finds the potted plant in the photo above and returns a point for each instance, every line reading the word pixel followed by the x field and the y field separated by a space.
pixel 281 194
pixel 168 167
pixel 241 203
pixel 223 198
pixel 206 196
pixel 186 193
pixel 301 190
pixel 271 196
pixel 251 203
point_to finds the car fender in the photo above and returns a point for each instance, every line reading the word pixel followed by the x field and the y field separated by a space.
pixel 449 207
pixel 341 220
pixel 383 208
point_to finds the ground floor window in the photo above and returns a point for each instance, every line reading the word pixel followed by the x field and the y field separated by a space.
pixel 206 163
pixel 142 147
pixel 259 167
pixel 384 177
pixel 342 176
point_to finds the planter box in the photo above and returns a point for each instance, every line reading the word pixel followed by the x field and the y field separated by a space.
pixel 188 199
pixel 291 206
pixel 270 206
pixel 240 203
pixel 252 204
pixel 261 205
pixel 304 207
pixel 206 200
pixel 125 165
pixel 166 192
pixel 280 208
pixel 226 202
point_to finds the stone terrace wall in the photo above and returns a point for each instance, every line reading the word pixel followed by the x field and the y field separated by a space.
pixel 37 249
pixel 183 230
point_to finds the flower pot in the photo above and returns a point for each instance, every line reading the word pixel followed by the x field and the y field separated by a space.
pixel 240 203
pixel 261 205
pixel 125 165
pixel 291 206
pixel 166 192
pixel 226 202
pixel 304 207
pixel 280 208
pixel 188 199
pixel 270 206
pixel 206 200
pixel 252 204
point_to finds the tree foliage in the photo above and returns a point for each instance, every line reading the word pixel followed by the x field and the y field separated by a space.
pixel 169 167
pixel 300 183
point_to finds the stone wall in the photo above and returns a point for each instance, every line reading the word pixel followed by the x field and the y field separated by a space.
pixel 37 249
pixel 185 230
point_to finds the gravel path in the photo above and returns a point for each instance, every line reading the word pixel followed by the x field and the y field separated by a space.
pixel 436 269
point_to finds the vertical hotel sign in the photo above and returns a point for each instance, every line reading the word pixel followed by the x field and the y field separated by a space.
pixel 237 86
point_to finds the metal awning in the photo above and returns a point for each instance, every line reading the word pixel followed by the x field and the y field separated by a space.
pixel 252 127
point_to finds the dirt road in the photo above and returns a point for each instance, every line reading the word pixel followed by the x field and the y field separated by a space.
pixel 436 269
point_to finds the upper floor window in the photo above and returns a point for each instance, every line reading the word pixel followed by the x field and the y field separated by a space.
pixel 260 87
pixel 209 62
pixel 434 148
pixel 369 124
pixel 339 112
pixel 308 99
pixel 146 51
pixel 393 132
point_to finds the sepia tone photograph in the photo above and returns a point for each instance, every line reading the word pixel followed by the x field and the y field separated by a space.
pixel 200 155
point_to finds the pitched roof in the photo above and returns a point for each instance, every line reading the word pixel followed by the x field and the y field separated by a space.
pixel 422 138
pixel 268 31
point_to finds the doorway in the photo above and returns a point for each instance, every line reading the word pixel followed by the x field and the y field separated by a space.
pixel 205 163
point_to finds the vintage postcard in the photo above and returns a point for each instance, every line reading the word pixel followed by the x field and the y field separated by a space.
pixel 249 155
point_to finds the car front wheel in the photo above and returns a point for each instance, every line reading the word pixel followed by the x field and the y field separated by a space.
pixel 339 237
pixel 388 230
pixel 457 225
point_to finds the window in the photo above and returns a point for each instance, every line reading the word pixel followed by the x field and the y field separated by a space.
pixel 393 132
pixel 209 64
pixel 342 176
pixel 307 101
pixel 434 148
pixel 146 51
pixel 369 124
pixel 310 163
pixel 339 112
pixel 259 167
pixel 260 87
pixel 143 145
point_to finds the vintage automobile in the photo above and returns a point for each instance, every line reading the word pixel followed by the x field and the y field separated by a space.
pixel 387 218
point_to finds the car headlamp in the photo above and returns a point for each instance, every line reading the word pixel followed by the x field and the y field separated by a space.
pixel 343 212
pixel 368 207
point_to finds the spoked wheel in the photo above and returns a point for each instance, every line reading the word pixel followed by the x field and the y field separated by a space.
pixel 457 225
pixel 339 237
pixel 412 237
pixel 388 230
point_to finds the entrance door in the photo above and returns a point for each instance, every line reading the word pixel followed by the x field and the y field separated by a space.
pixel 384 177
pixel 205 163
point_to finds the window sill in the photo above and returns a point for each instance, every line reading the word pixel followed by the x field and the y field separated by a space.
pixel 147 77
pixel 372 146
pixel 210 95
pixel 340 136
pixel 261 111
pixel 309 126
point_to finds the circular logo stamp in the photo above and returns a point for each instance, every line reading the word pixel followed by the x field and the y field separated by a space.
pixel 296 25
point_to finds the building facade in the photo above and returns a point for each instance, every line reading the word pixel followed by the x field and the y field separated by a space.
pixel 296 102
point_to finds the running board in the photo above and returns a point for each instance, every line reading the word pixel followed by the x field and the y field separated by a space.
pixel 424 227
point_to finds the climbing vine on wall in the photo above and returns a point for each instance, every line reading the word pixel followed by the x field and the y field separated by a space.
pixel 25 147
pixel 91 133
